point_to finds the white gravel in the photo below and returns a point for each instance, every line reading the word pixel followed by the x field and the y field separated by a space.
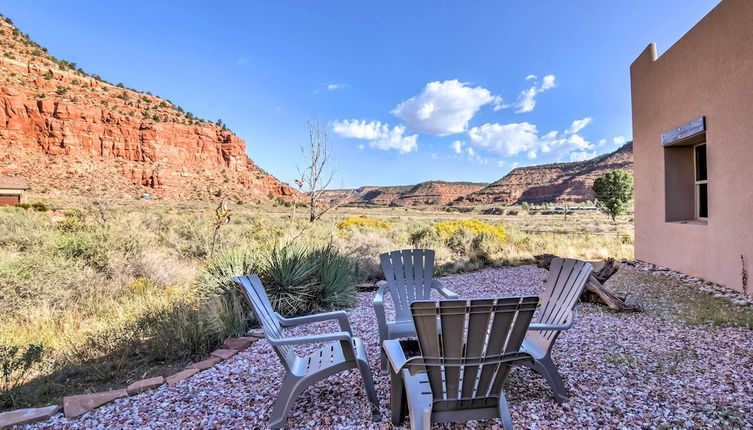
pixel 624 371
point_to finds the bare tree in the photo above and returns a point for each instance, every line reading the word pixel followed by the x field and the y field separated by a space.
pixel 318 170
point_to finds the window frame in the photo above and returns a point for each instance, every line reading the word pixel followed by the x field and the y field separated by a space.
pixel 697 183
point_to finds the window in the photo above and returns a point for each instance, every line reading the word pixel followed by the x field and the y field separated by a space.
pixel 701 183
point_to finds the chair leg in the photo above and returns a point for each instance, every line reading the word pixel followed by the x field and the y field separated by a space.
pixel 546 368
pixel 289 392
pixel 504 412
pixel 383 362
pixel 368 383
pixel 398 403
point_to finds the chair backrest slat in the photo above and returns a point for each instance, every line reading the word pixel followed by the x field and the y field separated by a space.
pixel 254 292
pixel 565 283
pixel 479 339
pixel 409 274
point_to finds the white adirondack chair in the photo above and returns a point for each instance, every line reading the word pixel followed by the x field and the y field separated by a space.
pixel 342 351
pixel 564 285
pixel 410 276
pixel 465 351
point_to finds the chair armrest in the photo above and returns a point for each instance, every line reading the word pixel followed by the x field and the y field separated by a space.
pixel 395 354
pixel 439 286
pixel 315 338
pixel 381 317
pixel 553 327
pixel 341 316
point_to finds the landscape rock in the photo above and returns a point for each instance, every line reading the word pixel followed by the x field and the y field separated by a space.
pixel 183 374
pixel 224 354
pixel 145 384
pixel 239 343
pixel 26 416
pixel 74 406
pixel 204 364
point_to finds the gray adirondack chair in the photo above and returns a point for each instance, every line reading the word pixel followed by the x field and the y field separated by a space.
pixel 342 351
pixel 410 276
pixel 564 285
pixel 465 352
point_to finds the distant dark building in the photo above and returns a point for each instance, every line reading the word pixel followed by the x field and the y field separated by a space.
pixel 11 190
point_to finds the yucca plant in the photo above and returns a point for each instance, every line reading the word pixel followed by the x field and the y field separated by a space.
pixel 289 275
pixel 337 288
pixel 217 274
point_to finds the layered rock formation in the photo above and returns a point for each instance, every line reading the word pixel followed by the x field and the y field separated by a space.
pixel 551 183
pixel 69 132
pixel 431 193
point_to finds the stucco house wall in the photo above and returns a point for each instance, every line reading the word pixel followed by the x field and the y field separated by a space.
pixel 707 73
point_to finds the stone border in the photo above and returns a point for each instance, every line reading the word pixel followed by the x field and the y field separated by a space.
pixel 736 297
pixel 77 405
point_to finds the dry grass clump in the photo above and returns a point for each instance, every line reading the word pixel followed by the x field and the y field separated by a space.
pixel 361 222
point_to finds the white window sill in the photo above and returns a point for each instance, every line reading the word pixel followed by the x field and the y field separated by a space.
pixel 690 222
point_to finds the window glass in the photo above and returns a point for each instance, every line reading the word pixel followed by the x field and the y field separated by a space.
pixel 700 163
pixel 703 201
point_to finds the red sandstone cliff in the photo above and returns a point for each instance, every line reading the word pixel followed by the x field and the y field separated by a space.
pixel 552 183
pixel 71 133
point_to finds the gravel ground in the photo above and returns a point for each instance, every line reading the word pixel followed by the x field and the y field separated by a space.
pixel 631 371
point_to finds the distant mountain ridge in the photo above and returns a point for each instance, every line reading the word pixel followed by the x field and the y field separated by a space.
pixel 552 183
pixel 429 193
pixel 546 183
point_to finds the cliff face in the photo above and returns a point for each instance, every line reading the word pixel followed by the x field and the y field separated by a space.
pixel 431 193
pixel 71 133
pixel 552 183
pixel 435 193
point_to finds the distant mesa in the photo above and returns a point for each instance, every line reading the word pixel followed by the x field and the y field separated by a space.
pixel 72 133
pixel 547 183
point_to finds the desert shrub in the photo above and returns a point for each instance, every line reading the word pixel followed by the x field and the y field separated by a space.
pixel 71 225
pixel 40 207
pixel 485 245
pixel 361 222
pixel 216 277
pixel 187 328
pixel 474 226
pixel 23 205
pixel 459 241
pixel 75 213
pixel 89 248
pixel 41 277
pixel 21 231
pixel 363 249
pixel 15 364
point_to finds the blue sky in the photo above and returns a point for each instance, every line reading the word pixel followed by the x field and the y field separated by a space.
pixel 411 91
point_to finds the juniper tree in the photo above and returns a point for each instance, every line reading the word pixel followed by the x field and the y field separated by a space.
pixel 614 191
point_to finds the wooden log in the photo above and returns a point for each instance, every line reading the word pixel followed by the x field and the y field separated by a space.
pixel 595 291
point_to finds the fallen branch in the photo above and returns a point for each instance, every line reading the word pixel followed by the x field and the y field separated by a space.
pixel 595 291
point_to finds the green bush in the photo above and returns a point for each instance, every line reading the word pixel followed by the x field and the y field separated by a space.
pixel 90 248
pixel 217 275
pixel 22 231
pixel 40 207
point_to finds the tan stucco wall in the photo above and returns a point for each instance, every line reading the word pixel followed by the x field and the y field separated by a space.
pixel 709 72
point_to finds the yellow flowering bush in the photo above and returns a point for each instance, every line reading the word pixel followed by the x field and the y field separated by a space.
pixel 447 229
pixel 358 221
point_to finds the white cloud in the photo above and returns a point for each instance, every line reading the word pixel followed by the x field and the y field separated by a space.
pixel 619 140
pixel 457 146
pixel 526 101
pixel 579 124
pixel 444 108
pixel 434 156
pixel 504 140
pixel 523 138
pixel 500 163
pixel 379 135
pixel 602 142
pixel 333 87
